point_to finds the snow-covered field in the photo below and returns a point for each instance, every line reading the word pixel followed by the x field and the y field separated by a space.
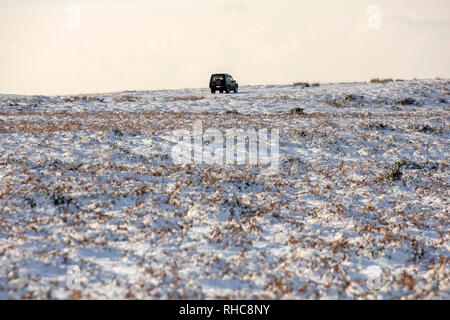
pixel 92 204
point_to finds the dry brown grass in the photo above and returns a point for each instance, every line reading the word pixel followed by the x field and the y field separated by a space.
pixel 377 80
pixel 125 98
pixel 83 98
pixel 277 98
pixel 185 98
pixel 164 121
pixel 234 232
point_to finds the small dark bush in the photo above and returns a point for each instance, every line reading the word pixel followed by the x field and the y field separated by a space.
pixel 376 126
pixel 302 84
pixel 394 173
pixel 117 132
pixel 60 200
pixel 296 111
pixel 232 112
pixel 352 97
pixel 426 129
pixel 407 102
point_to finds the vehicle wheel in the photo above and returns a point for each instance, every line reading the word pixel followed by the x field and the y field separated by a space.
pixel 236 89
pixel 213 91
pixel 228 89
pixel 221 91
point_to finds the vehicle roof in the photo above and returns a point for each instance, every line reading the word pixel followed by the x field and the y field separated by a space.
pixel 220 74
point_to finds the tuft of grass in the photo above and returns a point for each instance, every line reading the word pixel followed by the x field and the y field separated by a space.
pixel 425 128
pixel 237 208
pixel 63 201
pixel 352 97
pixel 393 172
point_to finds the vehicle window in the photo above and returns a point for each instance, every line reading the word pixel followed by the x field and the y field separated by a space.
pixel 215 78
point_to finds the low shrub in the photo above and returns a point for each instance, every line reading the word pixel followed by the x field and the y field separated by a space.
pixel 296 111
pixel 301 84
pixel 377 80
pixel 407 101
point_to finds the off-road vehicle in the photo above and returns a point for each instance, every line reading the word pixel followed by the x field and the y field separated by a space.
pixel 223 82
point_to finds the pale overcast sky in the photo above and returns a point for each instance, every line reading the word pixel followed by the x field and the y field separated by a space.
pixel 159 44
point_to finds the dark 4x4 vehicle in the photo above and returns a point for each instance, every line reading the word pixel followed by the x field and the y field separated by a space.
pixel 223 82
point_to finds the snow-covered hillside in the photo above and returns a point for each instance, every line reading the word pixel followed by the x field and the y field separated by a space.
pixel 92 204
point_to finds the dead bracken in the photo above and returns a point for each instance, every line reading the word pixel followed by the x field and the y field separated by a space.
pixel 93 206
